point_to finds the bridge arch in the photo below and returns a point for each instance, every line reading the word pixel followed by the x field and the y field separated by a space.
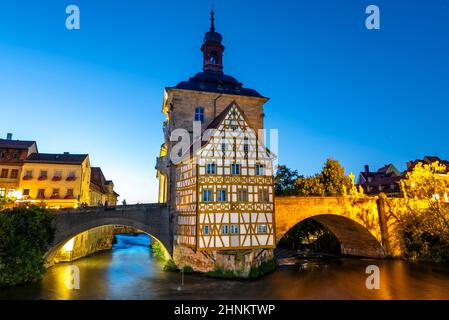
pixel 150 219
pixel 353 222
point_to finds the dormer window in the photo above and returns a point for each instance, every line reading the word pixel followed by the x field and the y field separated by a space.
pixel 199 114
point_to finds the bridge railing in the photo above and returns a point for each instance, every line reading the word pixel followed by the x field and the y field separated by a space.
pixel 130 207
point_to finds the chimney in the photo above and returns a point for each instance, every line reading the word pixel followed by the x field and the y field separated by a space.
pixel 366 168
pixel 9 136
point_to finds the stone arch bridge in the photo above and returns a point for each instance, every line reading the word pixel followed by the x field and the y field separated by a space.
pixel 152 219
pixel 359 224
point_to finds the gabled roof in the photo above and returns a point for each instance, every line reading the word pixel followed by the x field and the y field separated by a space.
pixel 215 124
pixel 97 178
pixel 16 144
pixel 98 181
pixel 63 158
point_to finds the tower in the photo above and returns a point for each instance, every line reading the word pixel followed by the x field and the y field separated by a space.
pixel 220 189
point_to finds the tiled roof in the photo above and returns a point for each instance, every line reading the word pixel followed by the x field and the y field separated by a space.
pixel 98 180
pixel 15 144
pixel 427 160
pixel 65 158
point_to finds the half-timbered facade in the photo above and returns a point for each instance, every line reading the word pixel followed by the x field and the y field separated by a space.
pixel 220 195
pixel 224 195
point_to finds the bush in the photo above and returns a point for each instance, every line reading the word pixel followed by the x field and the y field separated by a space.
pixel 170 265
pixel 264 268
pixel 158 250
pixel 25 234
pixel 187 269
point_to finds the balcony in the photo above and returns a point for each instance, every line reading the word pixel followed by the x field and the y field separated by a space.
pixel 42 178
pixel 27 178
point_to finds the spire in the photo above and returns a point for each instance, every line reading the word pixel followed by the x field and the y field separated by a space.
pixel 212 20
pixel 212 48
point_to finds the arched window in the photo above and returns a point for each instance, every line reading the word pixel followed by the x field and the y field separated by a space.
pixel 199 114
pixel 213 59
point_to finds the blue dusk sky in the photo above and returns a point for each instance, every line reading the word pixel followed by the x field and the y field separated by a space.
pixel 337 89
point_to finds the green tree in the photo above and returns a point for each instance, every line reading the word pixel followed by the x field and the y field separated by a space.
pixel 310 186
pixel 425 233
pixel 333 179
pixel 284 181
pixel 426 180
pixel 25 234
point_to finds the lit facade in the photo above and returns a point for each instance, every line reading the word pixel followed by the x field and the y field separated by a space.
pixel 220 195
pixel 12 155
pixel 224 192
pixel 57 180
pixel 101 191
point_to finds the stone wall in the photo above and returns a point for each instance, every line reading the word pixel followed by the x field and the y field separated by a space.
pixel 85 244
pixel 240 261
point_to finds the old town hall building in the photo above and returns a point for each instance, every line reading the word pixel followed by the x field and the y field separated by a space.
pixel 220 188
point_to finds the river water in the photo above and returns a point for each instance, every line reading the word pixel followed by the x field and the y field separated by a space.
pixel 129 272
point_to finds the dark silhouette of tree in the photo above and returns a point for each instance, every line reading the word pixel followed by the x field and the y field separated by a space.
pixel 284 181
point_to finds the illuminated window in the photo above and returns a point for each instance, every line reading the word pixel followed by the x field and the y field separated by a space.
pixel 199 114
pixel 207 195
pixel 41 194
pixel 14 174
pixel 4 173
pixel 225 229
pixel 55 194
pixel 2 192
pixel 235 168
pixel 70 192
pixel 260 169
pixel 221 195
pixel 210 168
pixel 43 175
pixel 264 196
pixel 246 145
pixel 234 228
pixel 262 228
pixel 26 192
pixel 242 195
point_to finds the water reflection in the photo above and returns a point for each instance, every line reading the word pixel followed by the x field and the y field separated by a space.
pixel 129 272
